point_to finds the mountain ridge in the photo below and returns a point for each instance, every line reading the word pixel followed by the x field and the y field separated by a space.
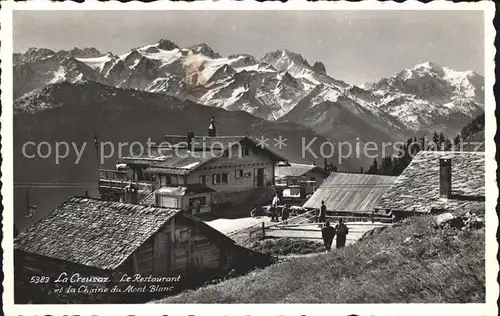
pixel 420 98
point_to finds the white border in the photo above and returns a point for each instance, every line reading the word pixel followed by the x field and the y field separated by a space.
pixel 492 292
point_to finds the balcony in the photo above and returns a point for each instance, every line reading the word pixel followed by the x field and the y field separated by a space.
pixel 119 180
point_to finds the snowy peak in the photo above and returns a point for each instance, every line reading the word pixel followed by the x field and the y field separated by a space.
pixel 132 58
pixel 205 50
pixel 431 81
pixel 428 95
pixel 319 67
pixel 284 60
pixel 33 54
pixel 86 52
pixel 166 45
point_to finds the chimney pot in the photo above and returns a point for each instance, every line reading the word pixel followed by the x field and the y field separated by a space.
pixel 190 137
pixel 445 177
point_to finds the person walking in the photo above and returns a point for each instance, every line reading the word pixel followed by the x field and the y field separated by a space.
pixel 285 214
pixel 328 233
pixel 322 212
pixel 274 208
pixel 342 231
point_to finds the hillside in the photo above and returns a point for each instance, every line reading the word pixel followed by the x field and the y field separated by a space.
pixel 412 262
pixel 74 112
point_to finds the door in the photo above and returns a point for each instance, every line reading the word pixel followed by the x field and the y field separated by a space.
pixel 259 177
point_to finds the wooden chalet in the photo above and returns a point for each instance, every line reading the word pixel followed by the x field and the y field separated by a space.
pixel 91 237
pixel 437 181
pixel 297 181
pixel 192 172
pixel 350 194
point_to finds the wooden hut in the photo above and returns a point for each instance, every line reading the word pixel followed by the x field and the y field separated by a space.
pixel 94 238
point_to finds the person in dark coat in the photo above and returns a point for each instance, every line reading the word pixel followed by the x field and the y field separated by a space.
pixel 322 212
pixel 328 233
pixel 285 214
pixel 342 232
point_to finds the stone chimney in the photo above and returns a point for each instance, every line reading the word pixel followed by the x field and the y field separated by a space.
pixel 190 137
pixel 211 128
pixel 445 177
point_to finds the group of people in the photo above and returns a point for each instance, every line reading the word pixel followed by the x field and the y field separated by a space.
pixel 285 214
pixel 328 232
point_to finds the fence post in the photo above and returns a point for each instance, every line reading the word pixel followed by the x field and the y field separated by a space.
pixel 263 229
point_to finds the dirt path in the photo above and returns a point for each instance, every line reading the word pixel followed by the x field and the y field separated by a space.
pixel 313 232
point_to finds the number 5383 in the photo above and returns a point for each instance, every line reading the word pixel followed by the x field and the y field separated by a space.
pixel 39 279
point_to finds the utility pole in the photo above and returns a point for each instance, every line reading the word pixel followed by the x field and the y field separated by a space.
pixel 30 209
pixel 96 145
pixel 28 202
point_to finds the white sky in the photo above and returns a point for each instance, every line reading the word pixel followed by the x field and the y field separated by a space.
pixel 355 46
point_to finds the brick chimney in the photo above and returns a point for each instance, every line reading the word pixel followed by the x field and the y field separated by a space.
pixel 445 177
pixel 190 137
pixel 211 128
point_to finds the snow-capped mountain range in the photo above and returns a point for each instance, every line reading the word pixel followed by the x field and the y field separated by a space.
pixel 282 85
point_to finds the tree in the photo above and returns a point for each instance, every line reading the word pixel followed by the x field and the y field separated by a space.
pixel 435 140
pixel 447 145
pixel 374 167
pixel 423 142
pixel 386 167
pixel 442 141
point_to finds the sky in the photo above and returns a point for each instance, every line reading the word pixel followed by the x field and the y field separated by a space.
pixel 355 46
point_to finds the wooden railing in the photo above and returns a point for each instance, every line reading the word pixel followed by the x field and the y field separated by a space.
pixel 261 227
pixel 114 179
pixel 108 174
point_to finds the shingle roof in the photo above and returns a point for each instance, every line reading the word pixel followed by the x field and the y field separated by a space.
pixel 173 157
pixel 417 188
pixel 350 192
pixel 92 232
pixel 187 189
pixel 171 160
pixel 296 170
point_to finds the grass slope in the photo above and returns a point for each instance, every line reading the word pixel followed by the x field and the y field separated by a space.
pixel 287 246
pixel 412 262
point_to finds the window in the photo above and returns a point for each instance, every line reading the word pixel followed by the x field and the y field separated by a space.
pixel 220 178
pixel 245 151
pixel 168 179
pixel 203 179
pixel 238 174
pixel 196 203
pixel 216 178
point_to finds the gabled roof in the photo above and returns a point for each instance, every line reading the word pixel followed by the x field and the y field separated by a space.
pixel 171 160
pixel 92 232
pixel 350 192
pixel 171 156
pixel 297 170
pixel 417 188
